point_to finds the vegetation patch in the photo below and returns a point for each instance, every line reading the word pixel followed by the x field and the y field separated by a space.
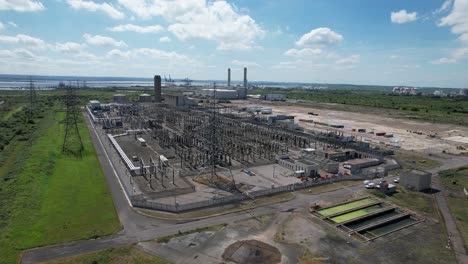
pixel 120 255
pixel 416 162
pixel 48 197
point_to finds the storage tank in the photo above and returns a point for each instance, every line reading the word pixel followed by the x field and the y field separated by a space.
pixel 120 98
pixel 144 98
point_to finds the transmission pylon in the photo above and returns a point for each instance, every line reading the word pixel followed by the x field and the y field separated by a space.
pixel 32 97
pixel 72 142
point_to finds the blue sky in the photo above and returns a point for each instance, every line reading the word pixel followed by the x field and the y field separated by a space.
pixel 397 42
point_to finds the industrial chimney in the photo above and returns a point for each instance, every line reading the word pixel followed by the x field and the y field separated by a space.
pixel 245 83
pixel 229 77
pixel 157 88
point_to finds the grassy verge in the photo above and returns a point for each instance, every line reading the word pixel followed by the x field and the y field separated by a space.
pixel 454 181
pixel 329 187
pixel 121 255
pixel 51 197
pixel 221 210
pixel 416 162
pixel 418 202
pixel 166 239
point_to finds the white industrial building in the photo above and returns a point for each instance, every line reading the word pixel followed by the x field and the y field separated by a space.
pixel 221 94
pixel 94 105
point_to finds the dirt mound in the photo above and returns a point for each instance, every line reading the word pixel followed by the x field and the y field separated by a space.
pixel 252 251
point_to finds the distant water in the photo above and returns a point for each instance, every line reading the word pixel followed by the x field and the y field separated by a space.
pixel 13 81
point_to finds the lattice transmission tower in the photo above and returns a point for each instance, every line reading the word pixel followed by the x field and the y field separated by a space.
pixel 72 142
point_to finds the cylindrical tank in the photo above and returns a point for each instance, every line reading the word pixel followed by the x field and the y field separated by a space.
pixel 144 98
pixel 120 98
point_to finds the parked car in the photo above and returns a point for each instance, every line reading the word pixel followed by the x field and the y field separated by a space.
pixel 366 182
pixel 370 185
pixel 347 167
pixel 396 180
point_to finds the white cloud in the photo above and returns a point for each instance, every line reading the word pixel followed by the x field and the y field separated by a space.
pixel 12 24
pixel 68 47
pixel 116 53
pixel 21 5
pixel 307 52
pixel 246 63
pixel 1 26
pixel 445 6
pixel 319 37
pixel 91 6
pixel 24 40
pixel 402 17
pixel 458 20
pixel 164 39
pixel 159 54
pixel 138 29
pixel 443 61
pixel 99 40
pixel 217 21
pixel 353 59
pixel 394 57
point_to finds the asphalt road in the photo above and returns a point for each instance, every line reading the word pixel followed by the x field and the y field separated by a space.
pixel 137 228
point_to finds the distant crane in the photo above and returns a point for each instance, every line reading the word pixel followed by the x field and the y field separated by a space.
pixel 187 82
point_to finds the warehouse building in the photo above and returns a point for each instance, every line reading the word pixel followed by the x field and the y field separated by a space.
pixel 273 97
pixel 221 94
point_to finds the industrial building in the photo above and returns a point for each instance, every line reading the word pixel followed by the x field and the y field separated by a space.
pixel 415 179
pixel 120 98
pixel 358 164
pixel 302 167
pixel 94 105
pixel 178 101
pixel 221 94
pixel 273 97
pixel 145 98
pixel 463 92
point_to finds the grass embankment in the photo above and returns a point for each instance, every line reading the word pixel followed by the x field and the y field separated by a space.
pixel 121 255
pixel 454 181
pixel 410 161
pixel 421 203
pixel 49 197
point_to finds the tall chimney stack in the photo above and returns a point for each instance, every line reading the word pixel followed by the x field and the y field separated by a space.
pixel 229 77
pixel 245 82
pixel 157 88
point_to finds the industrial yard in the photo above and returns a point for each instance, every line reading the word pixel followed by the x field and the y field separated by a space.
pixel 423 137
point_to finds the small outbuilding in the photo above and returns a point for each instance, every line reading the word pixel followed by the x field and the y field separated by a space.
pixel 417 180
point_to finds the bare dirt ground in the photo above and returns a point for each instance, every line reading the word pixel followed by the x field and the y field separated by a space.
pixel 447 136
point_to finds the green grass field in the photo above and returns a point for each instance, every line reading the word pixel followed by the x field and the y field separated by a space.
pixel 121 255
pixel 49 197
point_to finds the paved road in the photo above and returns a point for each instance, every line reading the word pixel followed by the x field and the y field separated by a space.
pixel 137 228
